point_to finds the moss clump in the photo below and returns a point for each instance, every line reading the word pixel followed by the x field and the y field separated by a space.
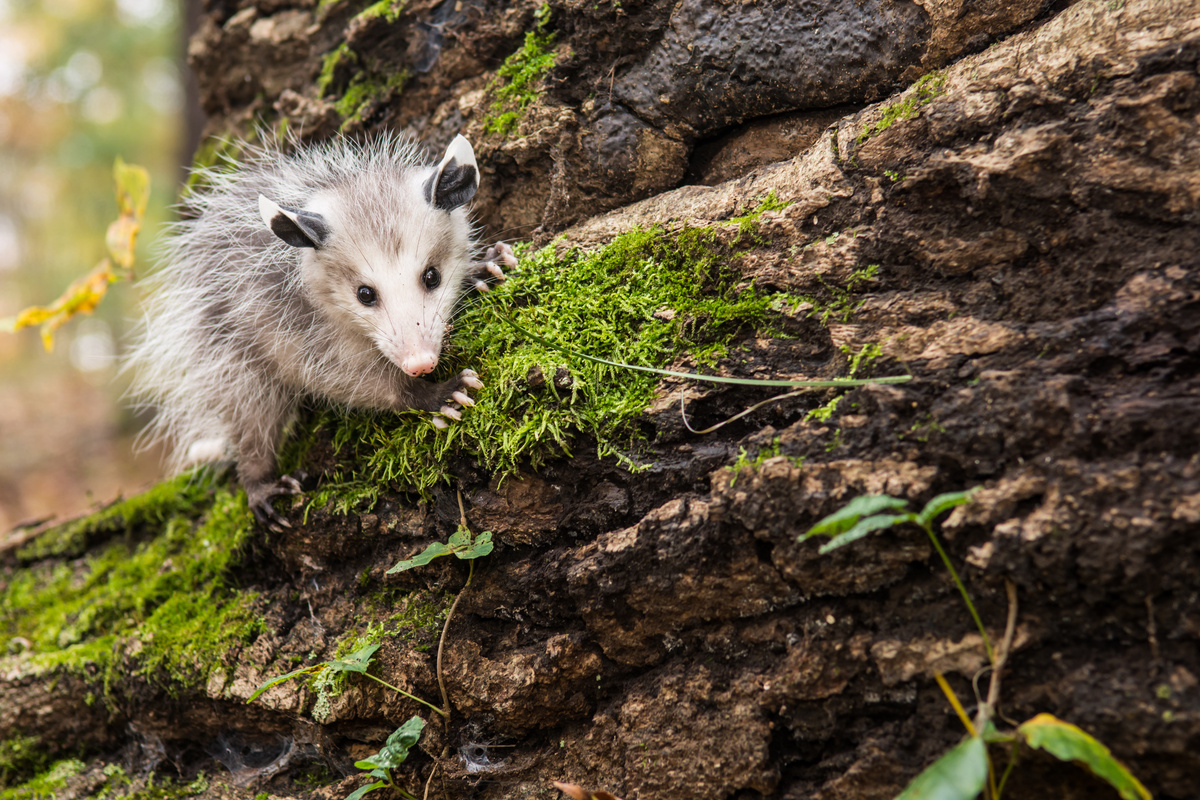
pixel 154 507
pixel 923 92
pixel 363 92
pixel 48 784
pixel 21 757
pixel 161 607
pixel 518 81
pixel 342 54
pixel 215 154
pixel 647 298
pixel 390 10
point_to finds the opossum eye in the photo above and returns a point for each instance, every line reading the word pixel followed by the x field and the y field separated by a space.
pixel 432 278
pixel 367 296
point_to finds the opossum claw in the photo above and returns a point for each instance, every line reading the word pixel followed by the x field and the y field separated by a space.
pixel 481 286
pixel 260 502
pixel 504 253
pixel 439 423
pixel 463 399
pixel 470 379
pixel 451 412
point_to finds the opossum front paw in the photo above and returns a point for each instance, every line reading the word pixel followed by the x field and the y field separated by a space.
pixel 458 399
pixel 260 498
pixel 491 269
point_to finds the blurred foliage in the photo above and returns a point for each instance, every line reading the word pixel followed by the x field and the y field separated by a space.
pixel 82 83
pixel 85 293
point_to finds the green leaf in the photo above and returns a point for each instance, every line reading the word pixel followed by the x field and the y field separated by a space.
pixel 408 733
pixel 1070 743
pixel 283 679
pixel 847 517
pixel 357 661
pixel 941 503
pixel 460 538
pixel 421 559
pixel 876 523
pixel 480 547
pixel 390 757
pixel 957 775
pixel 363 790
pixel 379 773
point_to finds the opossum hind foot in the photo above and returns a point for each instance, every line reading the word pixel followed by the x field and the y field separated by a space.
pixel 261 495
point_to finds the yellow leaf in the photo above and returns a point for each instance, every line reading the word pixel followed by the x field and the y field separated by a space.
pixel 1068 742
pixel 133 192
pixel 577 792
pixel 84 294
pixel 133 188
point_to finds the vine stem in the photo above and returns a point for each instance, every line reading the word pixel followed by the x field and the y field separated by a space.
pixel 462 515
pixel 987 643
pixel 406 694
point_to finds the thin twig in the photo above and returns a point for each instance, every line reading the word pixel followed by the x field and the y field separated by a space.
pixel 737 416
pixel 1010 629
pixel 429 780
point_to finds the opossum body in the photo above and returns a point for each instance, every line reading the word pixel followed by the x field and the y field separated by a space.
pixel 331 272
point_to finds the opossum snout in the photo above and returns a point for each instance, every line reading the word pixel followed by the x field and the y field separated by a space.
pixel 417 364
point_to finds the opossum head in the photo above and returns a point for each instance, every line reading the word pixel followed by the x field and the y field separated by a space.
pixel 386 253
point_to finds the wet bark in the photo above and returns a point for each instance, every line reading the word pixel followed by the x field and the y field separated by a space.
pixel 663 634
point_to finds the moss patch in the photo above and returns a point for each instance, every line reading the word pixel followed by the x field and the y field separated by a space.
pixel 648 298
pixel 518 81
pixel 45 785
pixel 923 92
pixel 161 607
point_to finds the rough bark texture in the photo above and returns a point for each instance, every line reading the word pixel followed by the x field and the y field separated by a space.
pixel 663 634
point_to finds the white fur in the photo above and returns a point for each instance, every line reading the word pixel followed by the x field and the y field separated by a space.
pixel 238 325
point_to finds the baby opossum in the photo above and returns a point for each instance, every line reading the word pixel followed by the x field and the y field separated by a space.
pixel 331 272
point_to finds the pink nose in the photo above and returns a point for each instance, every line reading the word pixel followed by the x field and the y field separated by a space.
pixel 419 363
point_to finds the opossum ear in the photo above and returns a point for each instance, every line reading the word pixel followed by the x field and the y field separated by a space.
pixel 297 228
pixel 455 180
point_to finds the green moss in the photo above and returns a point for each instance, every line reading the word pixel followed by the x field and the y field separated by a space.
pixel 342 54
pixel 46 785
pixel 160 607
pixel 518 81
pixel 363 92
pixel 215 154
pixel 21 757
pixel 923 92
pixel 648 298
pixel 390 10
pixel 154 507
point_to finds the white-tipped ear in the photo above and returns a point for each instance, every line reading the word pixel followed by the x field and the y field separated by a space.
pixel 268 209
pixel 456 179
pixel 460 150
pixel 296 228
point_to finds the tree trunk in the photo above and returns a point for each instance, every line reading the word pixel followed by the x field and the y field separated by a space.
pixel 1015 227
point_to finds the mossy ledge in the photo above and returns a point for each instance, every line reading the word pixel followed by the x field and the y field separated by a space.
pixel 153 597
pixel 649 298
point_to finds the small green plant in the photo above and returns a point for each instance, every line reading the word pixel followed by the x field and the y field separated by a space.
pixel 966 770
pixel 357 662
pixel 461 545
pixel 390 756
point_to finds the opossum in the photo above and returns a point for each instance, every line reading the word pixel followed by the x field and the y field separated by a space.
pixel 331 272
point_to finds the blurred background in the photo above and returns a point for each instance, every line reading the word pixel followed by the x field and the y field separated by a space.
pixel 81 82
